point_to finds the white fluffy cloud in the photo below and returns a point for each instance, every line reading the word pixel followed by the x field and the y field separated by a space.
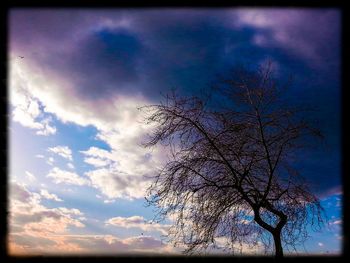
pixel 27 117
pixel 116 184
pixel 118 123
pixel 66 177
pixel 63 151
pixel 137 222
pixel 26 108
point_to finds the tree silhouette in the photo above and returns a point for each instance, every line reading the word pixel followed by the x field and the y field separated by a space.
pixel 231 174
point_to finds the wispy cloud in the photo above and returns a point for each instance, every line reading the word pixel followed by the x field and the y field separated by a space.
pixel 109 201
pixel 336 222
pixel 30 176
pixel 98 157
pixel 45 194
pixel 50 161
pixel 63 151
pixel 295 31
pixel 97 162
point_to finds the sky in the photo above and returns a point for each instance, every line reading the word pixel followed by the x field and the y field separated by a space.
pixel 78 174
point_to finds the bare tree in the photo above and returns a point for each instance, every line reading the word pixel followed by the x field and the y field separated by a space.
pixel 230 175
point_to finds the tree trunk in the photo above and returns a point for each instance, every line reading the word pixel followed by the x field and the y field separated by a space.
pixel 278 244
pixel 275 231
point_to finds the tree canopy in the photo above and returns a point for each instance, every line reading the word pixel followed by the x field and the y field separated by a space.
pixel 231 174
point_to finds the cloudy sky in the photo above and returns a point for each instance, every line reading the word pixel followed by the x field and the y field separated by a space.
pixel 78 174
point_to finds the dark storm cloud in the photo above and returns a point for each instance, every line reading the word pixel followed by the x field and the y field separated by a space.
pixel 164 48
pixel 187 50
pixel 104 62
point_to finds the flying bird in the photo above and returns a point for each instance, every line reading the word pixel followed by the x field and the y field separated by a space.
pixel 20 57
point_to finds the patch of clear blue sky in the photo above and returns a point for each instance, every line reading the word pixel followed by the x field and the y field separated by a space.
pixel 78 138
pixel 328 238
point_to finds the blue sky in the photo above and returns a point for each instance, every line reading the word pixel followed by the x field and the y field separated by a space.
pixel 78 173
